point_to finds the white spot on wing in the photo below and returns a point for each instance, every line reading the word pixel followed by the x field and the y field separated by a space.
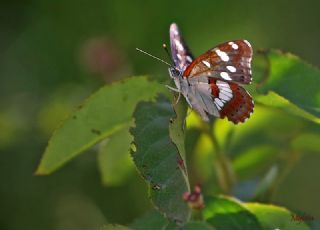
pixel 235 46
pixel 223 55
pixel 222 84
pixel 227 90
pixel 231 68
pixel 206 63
pixel 226 93
pixel 225 75
pixel 179 45
pixel 217 105
pixel 245 41
pixel 224 97
pixel 219 102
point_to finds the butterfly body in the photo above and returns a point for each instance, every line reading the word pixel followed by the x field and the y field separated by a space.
pixel 211 82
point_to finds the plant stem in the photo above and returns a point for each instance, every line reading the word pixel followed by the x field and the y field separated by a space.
pixel 223 167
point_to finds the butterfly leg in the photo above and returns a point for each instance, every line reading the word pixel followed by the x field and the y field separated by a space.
pixel 178 98
pixel 173 89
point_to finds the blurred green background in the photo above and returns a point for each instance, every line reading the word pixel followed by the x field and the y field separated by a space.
pixel 53 54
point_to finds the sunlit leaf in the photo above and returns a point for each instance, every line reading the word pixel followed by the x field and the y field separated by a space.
pixel 158 159
pixel 276 101
pixel 193 120
pixel 223 131
pixel 114 160
pixel 105 112
pixel 273 217
pixel 294 80
pixel 202 161
pixel 227 213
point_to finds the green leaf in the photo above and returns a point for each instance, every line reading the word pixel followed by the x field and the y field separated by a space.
pixel 223 131
pixel 171 226
pixel 278 134
pixel 294 80
pixel 9 126
pixel 152 220
pixel 105 112
pixel 227 213
pixel 115 227
pixel 307 142
pixel 273 217
pixel 254 159
pixel 192 225
pixel 177 126
pixel 158 159
pixel 177 134
pixel 198 225
pixel 202 159
pixel 276 101
pixel 114 160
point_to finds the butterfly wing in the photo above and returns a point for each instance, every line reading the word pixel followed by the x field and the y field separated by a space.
pixel 220 99
pixel 180 52
pixel 230 61
pixel 209 82
pixel 232 101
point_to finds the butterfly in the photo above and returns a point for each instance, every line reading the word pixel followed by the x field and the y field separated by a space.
pixel 211 83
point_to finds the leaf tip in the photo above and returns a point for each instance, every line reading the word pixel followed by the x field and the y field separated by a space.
pixel 40 172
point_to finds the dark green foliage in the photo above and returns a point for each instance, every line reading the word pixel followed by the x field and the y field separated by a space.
pixel 293 79
pixel 157 158
pixel 225 213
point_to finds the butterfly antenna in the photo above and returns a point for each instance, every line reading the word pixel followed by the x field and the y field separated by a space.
pixel 150 55
pixel 167 52
pixel 170 57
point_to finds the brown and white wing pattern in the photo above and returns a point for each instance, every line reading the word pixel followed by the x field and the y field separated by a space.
pixel 230 61
pixel 220 99
pixel 232 101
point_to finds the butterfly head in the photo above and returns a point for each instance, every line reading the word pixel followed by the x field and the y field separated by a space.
pixel 174 72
